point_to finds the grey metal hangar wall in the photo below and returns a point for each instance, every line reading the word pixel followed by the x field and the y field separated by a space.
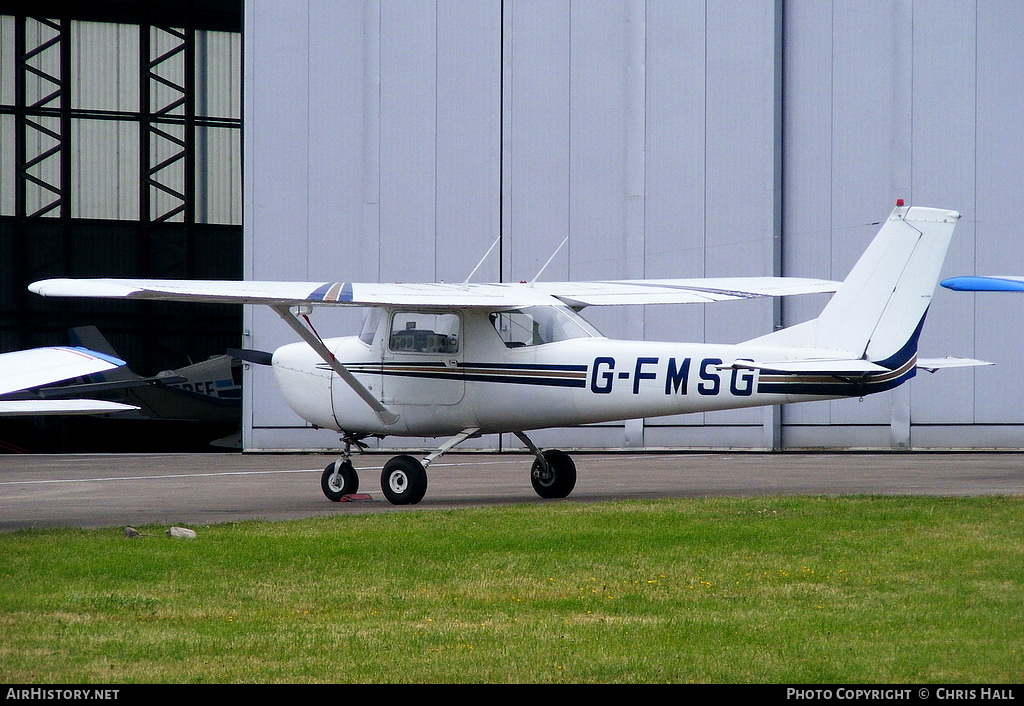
pixel 391 140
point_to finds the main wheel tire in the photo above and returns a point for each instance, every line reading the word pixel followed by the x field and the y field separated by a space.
pixel 403 480
pixel 557 477
pixel 337 485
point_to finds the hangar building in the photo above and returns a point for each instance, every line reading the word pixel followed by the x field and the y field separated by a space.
pixel 395 140
pixel 120 156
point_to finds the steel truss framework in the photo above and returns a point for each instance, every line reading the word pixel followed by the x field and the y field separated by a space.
pixel 42 238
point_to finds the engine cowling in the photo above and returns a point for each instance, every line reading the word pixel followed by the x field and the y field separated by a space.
pixel 305 383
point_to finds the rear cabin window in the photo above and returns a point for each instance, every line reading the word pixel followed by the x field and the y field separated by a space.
pixel 537 325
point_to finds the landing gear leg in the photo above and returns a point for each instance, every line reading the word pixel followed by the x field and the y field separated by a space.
pixel 553 474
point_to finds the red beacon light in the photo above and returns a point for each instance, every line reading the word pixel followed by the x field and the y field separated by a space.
pixel 899 203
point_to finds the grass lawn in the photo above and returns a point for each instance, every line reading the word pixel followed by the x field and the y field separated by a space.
pixel 795 590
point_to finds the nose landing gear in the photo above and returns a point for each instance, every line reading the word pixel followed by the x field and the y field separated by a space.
pixel 340 478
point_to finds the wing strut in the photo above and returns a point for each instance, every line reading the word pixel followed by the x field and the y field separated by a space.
pixel 311 337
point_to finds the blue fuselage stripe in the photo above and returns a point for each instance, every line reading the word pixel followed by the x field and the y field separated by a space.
pixel 577 377
pixel 572 376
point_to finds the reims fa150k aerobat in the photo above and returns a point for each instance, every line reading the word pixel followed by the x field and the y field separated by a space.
pixel 461 360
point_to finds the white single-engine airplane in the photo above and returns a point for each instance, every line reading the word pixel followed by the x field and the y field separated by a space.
pixel 461 360
pixel 24 370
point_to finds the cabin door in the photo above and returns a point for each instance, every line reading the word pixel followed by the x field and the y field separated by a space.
pixel 423 358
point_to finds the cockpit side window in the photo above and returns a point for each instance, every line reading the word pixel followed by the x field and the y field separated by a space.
pixel 537 325
pixel 424 332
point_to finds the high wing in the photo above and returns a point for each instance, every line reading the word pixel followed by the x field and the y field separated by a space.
pixel 680 291
pixel 575 294
pixel 283 296
pixel 988 283
pixel 23 370
pixel 34 408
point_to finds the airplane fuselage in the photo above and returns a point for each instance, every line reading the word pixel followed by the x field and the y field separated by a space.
pixel 475 378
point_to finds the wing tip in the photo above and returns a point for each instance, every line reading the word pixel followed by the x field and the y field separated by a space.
pixel 980 283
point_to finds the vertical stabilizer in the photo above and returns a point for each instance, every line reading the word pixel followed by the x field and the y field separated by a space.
pixel 90 337
pixel 877 312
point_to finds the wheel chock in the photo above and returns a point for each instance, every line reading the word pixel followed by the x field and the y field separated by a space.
pixel 354 497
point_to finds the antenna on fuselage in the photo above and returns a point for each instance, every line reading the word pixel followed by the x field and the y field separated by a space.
pixel 465 283
pixel 536 276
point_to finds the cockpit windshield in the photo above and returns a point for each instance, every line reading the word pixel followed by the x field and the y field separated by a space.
pixel 537 325
pixel 370 323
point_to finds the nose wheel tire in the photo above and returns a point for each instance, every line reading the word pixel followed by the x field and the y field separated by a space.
pixel 555 476
pixel 403 480
pixel 338 484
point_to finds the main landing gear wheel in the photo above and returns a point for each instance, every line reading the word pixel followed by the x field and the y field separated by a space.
pixel 555 476
pixel 337 485
pixel 403 480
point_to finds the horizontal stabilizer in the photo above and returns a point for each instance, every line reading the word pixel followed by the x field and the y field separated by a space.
pixel 933 364
pixel 251 356
pixel 811 366
pixel 101 388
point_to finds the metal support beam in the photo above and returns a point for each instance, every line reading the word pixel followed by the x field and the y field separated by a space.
pixel 167 138
pixel 42 57
pixel 43 230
